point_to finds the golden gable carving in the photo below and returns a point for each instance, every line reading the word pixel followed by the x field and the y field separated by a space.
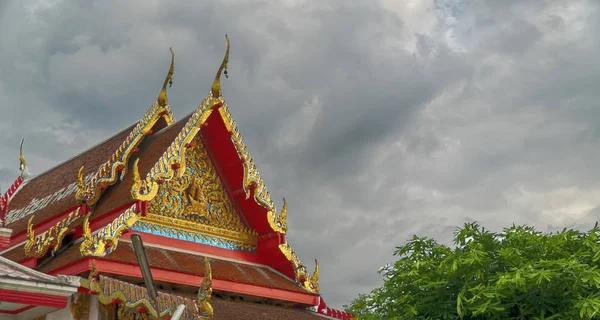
pixel 199 198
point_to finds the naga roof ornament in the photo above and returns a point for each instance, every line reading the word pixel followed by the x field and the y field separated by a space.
pixel 279 222
pixel 116 167
pixel 311 283
pixel 5 198
pixel 38 246
pixel 132 297
pixel 106 239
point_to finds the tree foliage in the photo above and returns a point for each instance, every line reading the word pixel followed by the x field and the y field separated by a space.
pixel 519 273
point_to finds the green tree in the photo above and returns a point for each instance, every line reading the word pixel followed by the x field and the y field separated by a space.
pixel 519 273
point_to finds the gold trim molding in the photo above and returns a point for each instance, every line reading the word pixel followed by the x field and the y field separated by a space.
pixel 311 283
pixel 106 239
pixel 198 202
pixel 248 239
pixel 278 222
pixel 38 246
pixel 116 166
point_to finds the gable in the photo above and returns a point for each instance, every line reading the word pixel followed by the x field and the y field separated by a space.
pixel 196 207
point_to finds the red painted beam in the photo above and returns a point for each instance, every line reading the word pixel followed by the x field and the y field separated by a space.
pixel 132 270
pixel 30 298
pixel 13 312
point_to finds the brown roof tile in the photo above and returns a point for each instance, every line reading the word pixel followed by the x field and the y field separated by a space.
pixel 46 186
pixel 16 254
pixel 187 263
pixel 150 151
pixel 233 310
pixel 65 175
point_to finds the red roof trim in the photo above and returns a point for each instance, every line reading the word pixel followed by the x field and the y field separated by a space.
pixel 230 167
pixel 133 270
pixel 37 299
pixel 5 200
pixel 13 312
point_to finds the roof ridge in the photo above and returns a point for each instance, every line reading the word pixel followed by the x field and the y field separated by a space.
pixel 106 175
pixel 97 145
pixel 26 270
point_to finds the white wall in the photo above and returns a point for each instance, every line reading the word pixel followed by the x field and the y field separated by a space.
pixel 94 308
pixel 62 314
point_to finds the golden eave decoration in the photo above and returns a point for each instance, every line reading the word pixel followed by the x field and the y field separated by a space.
pixel 252 176
pixel 89 192
pixel 134 297
pixel 38 246
pixel 311 283
pixel 105 240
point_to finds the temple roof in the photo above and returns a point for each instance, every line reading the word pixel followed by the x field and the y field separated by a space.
pixel 53 192
pixel 188 263
pixel 102 193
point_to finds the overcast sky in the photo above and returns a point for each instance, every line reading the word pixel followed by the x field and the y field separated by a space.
pixel 376 120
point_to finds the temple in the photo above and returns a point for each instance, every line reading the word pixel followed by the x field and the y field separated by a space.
pixel 215 243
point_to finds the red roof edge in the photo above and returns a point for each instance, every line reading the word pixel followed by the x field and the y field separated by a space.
pixel 334 313
pixel 4 201
pixel 251 197
pixel 120 268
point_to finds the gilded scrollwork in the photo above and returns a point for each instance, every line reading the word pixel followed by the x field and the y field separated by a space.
pixel 196 206
pixel 38 246
pixel 105 240
pixel 132 297
pixel 198 196
pixel 252 179
pixel 311 283
pixel 116 166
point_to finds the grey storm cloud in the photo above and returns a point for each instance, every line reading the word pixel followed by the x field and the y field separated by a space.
pixel 376 120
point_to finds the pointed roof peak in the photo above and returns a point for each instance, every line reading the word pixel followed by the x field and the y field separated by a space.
pixel 216 86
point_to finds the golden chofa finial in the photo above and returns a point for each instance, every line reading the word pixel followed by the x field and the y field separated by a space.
pixel 21 158
pixel 216 86
pixel 162 97
pixel 23 163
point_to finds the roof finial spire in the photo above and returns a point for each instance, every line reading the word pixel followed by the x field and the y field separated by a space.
pixel 216 86
pixel 162 97
pixel 23 163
